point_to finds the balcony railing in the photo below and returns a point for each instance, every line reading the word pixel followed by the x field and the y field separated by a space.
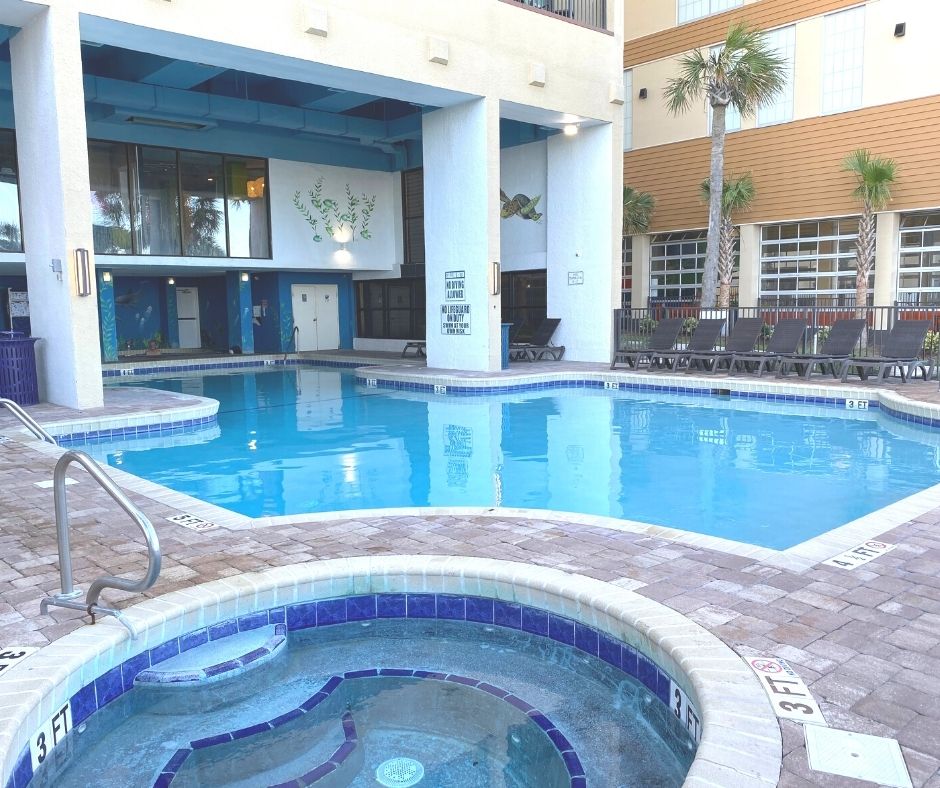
pixel 592 13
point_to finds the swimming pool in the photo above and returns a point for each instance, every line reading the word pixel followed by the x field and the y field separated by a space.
pixel 312 440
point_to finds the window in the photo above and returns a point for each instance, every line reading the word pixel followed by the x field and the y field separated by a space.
pixel 185 203
pixel 524 301
pixel 696 9
pixel 919 261
pixel 626 271
pixel 391 309
pixel 843 42
pixel 11 239
pixel 809 263
pixel 677 263
pixel 783 40
pixel 627 110
pixel 412 205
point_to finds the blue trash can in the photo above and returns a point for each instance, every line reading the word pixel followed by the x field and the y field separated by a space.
pixel 18 379
pixel 506 327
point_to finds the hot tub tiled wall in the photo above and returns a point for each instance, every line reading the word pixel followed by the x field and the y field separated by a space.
pixel 95 664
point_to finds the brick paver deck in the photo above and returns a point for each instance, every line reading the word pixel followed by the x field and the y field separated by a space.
pixel 867 641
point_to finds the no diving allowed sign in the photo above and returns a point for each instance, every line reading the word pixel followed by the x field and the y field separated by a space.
pixel 788 693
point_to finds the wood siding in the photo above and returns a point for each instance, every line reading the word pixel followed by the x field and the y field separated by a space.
pixel 797 166
pixel 764 14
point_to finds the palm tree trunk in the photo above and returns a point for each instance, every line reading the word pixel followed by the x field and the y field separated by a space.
pixel 716 189
pixel 864 257
pixel 725 263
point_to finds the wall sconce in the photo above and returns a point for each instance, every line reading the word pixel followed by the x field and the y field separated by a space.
pixel 496 282
pixel 570 129
pixel 171 281
pixel 900 29
pixel 643 93
pixel 105 276
pixel 245 276
pixel 83 272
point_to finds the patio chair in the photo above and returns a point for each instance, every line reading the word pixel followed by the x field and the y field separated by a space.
pixel 838 346
pixel 743 337
pixel 783 342
pixel 901 350
pixel 703 338
pixel 541 344
pixel 663 338
pixel 419 348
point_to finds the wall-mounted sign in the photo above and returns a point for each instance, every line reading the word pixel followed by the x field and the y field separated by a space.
pixel 455 319
pixel 576 277
pixel 454 286
pixel 19 303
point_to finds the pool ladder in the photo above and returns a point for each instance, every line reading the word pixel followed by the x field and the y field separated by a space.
pixel 69 596
pixel 28 421
pixel 293 338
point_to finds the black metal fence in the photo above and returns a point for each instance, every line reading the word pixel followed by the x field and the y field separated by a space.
pixel 586 12
pixel 632 327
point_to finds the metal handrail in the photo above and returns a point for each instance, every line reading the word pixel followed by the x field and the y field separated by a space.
pixel 28 421
pixel 293 338
pixel 68 593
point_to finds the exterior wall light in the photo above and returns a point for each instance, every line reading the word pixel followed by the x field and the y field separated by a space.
pixel 171 281
pixel 570 129
pixel 105 276
pixel 496 278
pixel 245 276
pixel 83 272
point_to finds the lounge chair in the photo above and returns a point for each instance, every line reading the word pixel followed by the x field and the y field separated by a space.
pixel 419 348
pixel 901 350
pixel 703 338
pixel 783 342
pixel 842 339
pixel 541 344
pixel 662 339
pixel 743 337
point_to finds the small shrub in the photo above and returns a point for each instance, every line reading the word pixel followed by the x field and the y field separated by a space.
pixel 822 334
pixel 766 331
pixel 932 343
pixel 647 325
pixel 689 325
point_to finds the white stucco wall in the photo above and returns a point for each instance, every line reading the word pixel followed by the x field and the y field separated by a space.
pixel 523 242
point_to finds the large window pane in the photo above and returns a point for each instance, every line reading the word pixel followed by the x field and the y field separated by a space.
pixel 158 223
pixel 10 236
pixel 110 197
pixel 203 204
pixel 246 188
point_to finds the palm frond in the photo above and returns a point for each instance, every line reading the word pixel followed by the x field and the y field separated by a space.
pixel 874 177
pixel 737 194
pixel 637 211
pixel 682 91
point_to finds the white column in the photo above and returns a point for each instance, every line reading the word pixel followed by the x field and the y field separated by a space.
pixel 749 265
pixel 887 241
pixel 584 227
pixel 641 271
pixel 461 231
pixel 49 103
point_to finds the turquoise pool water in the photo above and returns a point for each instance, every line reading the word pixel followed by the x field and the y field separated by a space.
pixel 312 440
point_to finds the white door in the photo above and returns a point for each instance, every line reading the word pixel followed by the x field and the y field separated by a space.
pixel 316 316
pixel 187 316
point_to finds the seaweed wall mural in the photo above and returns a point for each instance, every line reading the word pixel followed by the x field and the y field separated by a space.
pixel 325 212
pixel 520 205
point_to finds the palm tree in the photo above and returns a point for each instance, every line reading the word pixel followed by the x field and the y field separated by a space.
pixel 637 211
pixel 744 73
pixel 874 178
pixel 737 194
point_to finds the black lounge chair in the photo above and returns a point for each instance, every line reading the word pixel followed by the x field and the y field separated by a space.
pixel 419 348
pixel 703 338
pixel 541 344
pixel 662 339
pixel 743 337
pixel 783 342
pixel 842 339
pixel 901 350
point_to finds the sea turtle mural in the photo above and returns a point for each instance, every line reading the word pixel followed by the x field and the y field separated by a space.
pixel 520 206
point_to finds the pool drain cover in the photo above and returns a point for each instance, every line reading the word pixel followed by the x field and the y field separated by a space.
pixel 399 772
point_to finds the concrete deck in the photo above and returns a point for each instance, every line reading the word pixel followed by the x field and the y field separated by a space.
pixel 867 641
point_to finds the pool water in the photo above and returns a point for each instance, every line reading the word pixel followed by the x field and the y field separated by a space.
pixel 461 735
pixel 312 440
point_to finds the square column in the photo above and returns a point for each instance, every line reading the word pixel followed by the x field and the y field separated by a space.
pixel 238 305
pixel 887 250
pixel 52 147
pixel 749 265
pixel 584 234
pixel 640 295
pixel 461 231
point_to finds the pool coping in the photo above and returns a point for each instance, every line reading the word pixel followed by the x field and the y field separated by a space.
pixel 726 692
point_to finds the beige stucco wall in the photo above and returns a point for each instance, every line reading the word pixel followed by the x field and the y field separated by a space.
pixel 652 122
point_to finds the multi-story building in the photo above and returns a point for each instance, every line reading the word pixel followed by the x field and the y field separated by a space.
pixel 860 75
pixel 306 174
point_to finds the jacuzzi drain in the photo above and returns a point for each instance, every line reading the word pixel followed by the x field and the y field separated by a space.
pixel 399 772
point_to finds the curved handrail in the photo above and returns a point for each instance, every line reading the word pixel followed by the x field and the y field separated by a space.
pixel 62 530
pixel 293 338
pixel 28 421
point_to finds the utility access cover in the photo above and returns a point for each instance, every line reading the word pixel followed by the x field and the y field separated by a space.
pixel 856 755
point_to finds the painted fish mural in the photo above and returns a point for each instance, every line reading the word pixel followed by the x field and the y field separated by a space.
pixel 127 299
pixel 520 206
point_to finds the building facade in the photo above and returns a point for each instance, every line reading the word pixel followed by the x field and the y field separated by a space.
pixel 860 75
pixel 306 174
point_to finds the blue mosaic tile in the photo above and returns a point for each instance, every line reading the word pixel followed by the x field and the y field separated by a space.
pixel 277 615
pixel 451 607
pixel 560 629
pixel 163 780
pixel 164 651
pixel 193 639
pixel 109 686
pixel 608 650
pixel 302 616
pixel 391 606
pixel 663 687
pixel 361 674
pixel 575 769
pixel 421 606
pixel 647 673
pixel 332 611
pixel 283 719
pixel 223 629
pixel 507 614
pixel 222 667
pixel 129 670
pixel 629 661
pixel 174 764
pixel 360 608
pixel 586 639
pixel 210 741
pixel 252 621
pixel 534 620
pixel 318 773
pixel 251 730
pixel 23 769
pixel 480 609
pixel 83 704
pixel 396 672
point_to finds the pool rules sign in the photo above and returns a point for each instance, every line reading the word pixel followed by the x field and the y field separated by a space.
pixel 455 312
